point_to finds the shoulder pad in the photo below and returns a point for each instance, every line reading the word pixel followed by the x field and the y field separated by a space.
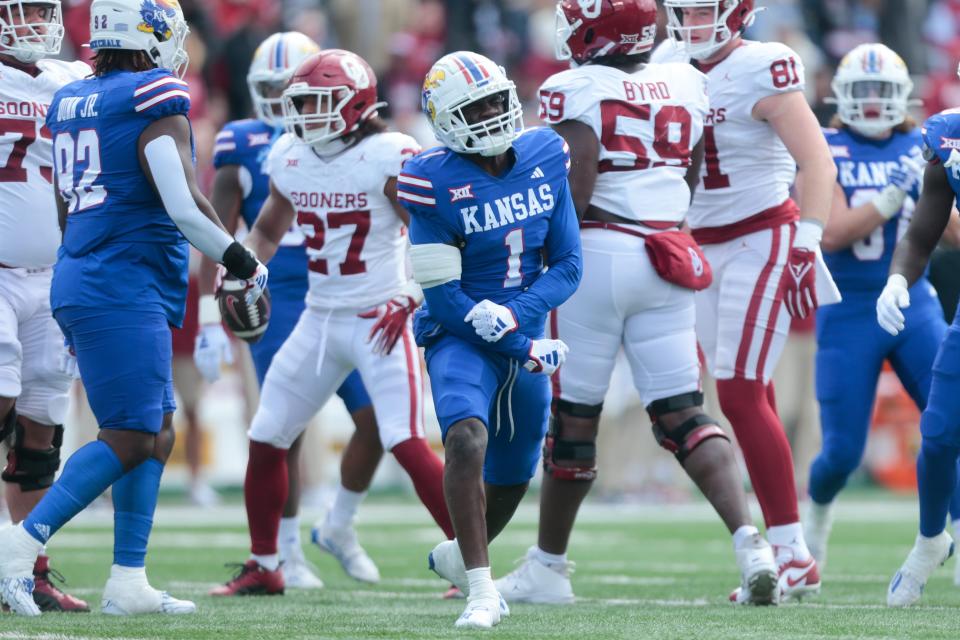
pixel 158 93
pixel 393 149
pixel 565 96
pixel 773 66
pixel 669 51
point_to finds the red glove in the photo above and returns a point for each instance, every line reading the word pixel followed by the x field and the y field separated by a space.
pixel 391 322
pixel 800 290
pixel 800 283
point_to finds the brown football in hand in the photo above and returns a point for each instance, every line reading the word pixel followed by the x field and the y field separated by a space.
pixel 246 321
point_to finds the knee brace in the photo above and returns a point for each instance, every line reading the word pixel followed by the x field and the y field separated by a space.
pixel 683 439
pixel 558 449
pixel 32 469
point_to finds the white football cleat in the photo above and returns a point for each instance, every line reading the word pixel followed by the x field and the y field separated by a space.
pixel 447 562
pixel 537 583
pixel 482 612
pixel 130 594
pixel 298 572
pixel 816 530
pixel 927 554
pixel 342 544
pixel 17 593
pixel 758 573
pixel 19 554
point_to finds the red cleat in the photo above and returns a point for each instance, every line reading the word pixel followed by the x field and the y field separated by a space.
pixel 252 580
pixel 47 596
pixel 797 579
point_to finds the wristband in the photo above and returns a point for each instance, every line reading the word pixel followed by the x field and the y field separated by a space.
pixel 239 261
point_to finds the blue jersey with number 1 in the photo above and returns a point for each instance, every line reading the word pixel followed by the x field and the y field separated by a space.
pixel 508 228
pixel 120 248
pixel 503 226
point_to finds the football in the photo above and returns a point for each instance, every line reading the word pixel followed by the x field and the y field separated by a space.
pixel 246 321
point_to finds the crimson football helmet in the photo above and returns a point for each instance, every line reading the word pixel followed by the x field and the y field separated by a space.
pixel 730 19
pixel 330 95
pixel 588 29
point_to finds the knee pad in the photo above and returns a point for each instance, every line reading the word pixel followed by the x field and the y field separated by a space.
pixel 32 469
pixel 556 448
pixel 681 441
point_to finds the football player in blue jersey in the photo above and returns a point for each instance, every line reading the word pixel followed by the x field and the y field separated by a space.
pixel 940 422
pixel 489 212
pixel 240 187
pixel 876 147
pixel 127 198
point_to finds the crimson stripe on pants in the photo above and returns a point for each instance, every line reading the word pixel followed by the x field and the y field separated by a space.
pixel 771 328
pixel 740 370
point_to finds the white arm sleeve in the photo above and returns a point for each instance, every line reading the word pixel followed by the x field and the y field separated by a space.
pixel 167 171
pixel 435 264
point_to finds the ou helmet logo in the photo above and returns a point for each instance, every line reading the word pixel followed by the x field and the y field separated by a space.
pixel 696 262
pixel 355 71
pixel 590 8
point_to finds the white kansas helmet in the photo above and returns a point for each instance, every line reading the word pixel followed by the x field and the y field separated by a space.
pixel 273 65
pixel 871 89
pixel 454 82
pixel 30 30
pixel 156 27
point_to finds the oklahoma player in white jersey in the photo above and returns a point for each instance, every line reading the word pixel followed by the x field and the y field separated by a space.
pixel 33 389
pixel 335 172
pixel 759 133
pixel 634 131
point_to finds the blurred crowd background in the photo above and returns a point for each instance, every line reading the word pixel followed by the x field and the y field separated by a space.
pixel 401 39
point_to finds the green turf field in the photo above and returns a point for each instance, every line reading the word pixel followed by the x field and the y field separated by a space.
pixel 651 572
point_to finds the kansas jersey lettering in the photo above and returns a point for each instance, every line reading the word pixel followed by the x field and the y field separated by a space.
pixel 502 226
pixel 120 248
pixel 863 167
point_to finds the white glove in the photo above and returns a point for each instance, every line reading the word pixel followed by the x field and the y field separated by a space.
pixel 211 350
pixel 902 181
pixel 491 321
pixel 68 361
pixel 894 297
pixel 546 356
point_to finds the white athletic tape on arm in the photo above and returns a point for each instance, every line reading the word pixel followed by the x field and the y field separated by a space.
pixel 167 170
pixel 435 264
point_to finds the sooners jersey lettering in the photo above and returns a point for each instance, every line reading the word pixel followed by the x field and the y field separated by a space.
pixel 29 233
pixel 746 167
pixel 647 123
pixel 354 238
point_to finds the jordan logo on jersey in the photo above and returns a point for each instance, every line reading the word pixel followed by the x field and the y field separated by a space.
pixel 508 210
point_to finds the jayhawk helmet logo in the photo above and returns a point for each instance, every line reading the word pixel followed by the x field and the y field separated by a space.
pixel 431 82
pixel 155 15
